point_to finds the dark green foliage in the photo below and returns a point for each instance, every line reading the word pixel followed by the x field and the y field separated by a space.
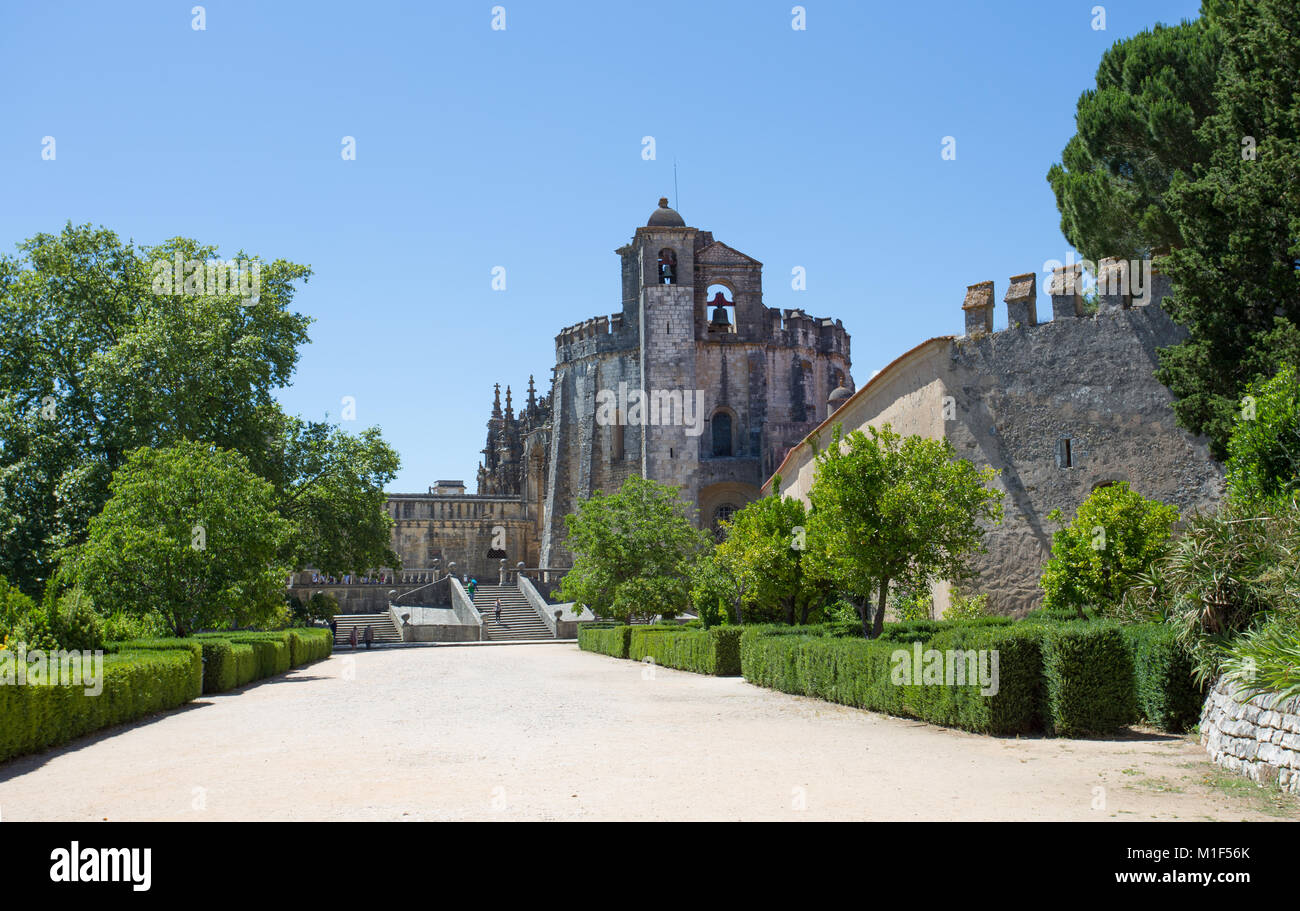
pixel 1136 130
pixel 1235 276
pixel 142 676
pixel 136 683
pixel 193 650
pixel 921 630
pixel 308 645
pixel 1263 469
pixel 246 669
pixel 1168 696
pixel 860 673
pixel 633 552
pixel 607 640
pixel 712 651
pixel 219 671
pixel 1088 679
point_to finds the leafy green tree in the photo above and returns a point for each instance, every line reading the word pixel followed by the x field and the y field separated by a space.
pixel 14 605
pixel 715 592
pixel 98 357
pixel 633 552
pixel 891 509
pixel 1263 466
pixel 1137 130
pixel 320 606
pixel 331 485
pixel 765 550
pixel 1116 536
pixel 191 533
pixel 94 364
pixel 1236 273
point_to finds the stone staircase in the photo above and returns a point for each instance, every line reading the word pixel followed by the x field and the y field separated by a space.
pixel 382 624
pixel 519 620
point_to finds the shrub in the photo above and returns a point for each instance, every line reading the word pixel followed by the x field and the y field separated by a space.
pixel 1263 466
pixel 1228 571
pixel 192 649
pixel 607 640
pixel 861 673
pixel 967 607
pixel 922 630
pixel 1116 534
pixel 120 626
pixel 1087 678
pixel 1015 707
pixel 1267 660
pixel 309 644
pixel 219 672
pixel 712 651
pixel 1167 694
pixel 272 655
pixel 245 663
pixel 136 683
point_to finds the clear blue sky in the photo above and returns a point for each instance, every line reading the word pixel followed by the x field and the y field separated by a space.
pixel 522 148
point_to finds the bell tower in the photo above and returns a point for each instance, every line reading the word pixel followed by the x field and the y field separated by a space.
pixel 665 251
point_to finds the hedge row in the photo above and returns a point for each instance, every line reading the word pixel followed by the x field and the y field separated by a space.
pixel 877 675
pixel 1067 679
pixel 1168 696
pixel 607 640
pixel 143 676
pixel 136 682
pixel 239 657
pixel 705 651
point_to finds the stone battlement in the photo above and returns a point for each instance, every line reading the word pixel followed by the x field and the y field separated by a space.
pixel 1121 285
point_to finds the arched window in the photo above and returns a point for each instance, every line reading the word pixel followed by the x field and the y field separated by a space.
pixel 722 514
pixel 721 435
pixel 720 309
pixel 667 266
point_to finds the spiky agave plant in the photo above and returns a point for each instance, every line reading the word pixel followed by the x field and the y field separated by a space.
pixel 1266 660
pixel 1226 571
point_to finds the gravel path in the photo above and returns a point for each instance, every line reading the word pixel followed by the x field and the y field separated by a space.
pixel 549 732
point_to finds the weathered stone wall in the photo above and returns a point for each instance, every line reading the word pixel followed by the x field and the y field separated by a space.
pixel 1257 737
pixel 1021 392
pixel 1012 400
pixel 463 530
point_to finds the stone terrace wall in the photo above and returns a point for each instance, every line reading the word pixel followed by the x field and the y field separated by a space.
pixel 1257 739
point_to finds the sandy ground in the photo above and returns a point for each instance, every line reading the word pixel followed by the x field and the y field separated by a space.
pixel 549 732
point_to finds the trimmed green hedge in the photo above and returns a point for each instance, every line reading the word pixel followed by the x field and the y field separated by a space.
pixel 1168 696
pixel 245 663
pixel 1055 673
pixel 136 683
pixel 607 640
pixel 870 675
pixel 219 670
pixel 713 651
pixel 143 676
pixel 1088 679
pixel 309 644
pixel 193 649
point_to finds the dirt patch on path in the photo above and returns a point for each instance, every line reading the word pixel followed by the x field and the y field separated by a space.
pixel 549 732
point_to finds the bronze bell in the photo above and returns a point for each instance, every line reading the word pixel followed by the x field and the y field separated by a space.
pixel 720 319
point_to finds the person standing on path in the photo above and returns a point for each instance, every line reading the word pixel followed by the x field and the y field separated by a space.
pixel 352 638
pixel 498 610
pixel 370 636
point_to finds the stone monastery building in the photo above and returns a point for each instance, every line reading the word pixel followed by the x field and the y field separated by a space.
pixel 692 382
pixel 736 392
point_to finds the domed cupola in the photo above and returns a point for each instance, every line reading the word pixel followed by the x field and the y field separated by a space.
pixel 664 217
